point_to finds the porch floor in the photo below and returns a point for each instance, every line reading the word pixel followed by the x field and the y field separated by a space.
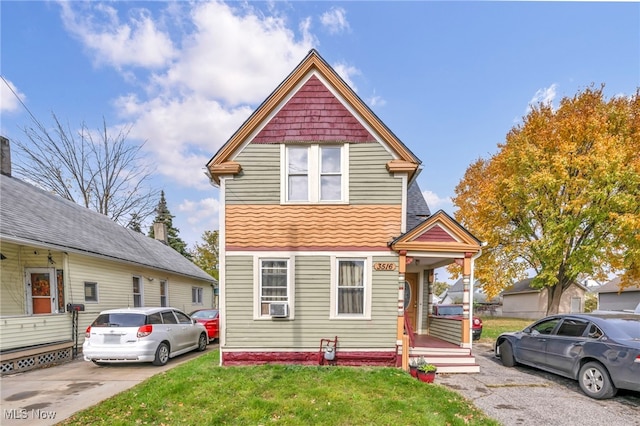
pixel 427 341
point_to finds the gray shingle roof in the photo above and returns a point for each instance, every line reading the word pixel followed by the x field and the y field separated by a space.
pixel 31 215
pixel 417 208
pixel 613 286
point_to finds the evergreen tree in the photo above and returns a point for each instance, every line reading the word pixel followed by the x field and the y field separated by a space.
pixel 163 215
pixel 134 224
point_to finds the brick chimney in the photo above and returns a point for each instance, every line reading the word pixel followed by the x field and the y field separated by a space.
pixel 5 156
pixel 160 232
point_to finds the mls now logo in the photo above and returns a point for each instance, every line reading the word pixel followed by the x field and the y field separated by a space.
pixel 15 414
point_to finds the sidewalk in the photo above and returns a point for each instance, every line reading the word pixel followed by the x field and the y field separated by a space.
pixel 50 395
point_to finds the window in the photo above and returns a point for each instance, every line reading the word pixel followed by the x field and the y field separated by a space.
pixel 196 295
pixel 182 318
pixel 315 173
pixel 90 292
pixel 274 283
pixel 168 317
pixel 137 292
pixel 351 287
pixel 545 327
pixel 164 291
pixel 572 327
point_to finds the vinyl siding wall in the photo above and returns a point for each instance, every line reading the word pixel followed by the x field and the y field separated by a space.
pixel 312 309
pixel 115 290
pixel 369 181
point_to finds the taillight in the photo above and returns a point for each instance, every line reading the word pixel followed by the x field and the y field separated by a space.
pixel 477 321
pixel 637 359
pixel 145 330
pixel 87 332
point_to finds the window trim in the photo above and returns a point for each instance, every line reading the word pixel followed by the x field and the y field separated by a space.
pixel 95 287
pixel 164 284
pixel 257 286
pixel 141 284
pixel 368 280
pixel 314 173
pixel 199 294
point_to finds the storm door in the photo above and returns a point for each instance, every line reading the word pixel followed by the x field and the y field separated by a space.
pixel 41 291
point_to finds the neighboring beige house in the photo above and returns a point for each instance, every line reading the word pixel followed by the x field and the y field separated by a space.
pixel 523 301
pixel 55 253
pixel 611 298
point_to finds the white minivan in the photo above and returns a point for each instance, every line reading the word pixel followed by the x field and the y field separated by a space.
pixel 142 335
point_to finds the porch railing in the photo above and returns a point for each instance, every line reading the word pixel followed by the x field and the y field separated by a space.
pixel 409 330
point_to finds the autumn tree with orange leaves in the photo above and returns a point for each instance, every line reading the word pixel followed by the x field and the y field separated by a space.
pixel 561 198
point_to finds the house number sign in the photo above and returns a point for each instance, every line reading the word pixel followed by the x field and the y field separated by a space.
pixel 384 266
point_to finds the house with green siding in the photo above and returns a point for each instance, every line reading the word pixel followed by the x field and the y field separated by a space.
pixel 327 246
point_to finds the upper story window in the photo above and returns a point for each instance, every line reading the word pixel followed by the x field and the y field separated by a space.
pixel 315 173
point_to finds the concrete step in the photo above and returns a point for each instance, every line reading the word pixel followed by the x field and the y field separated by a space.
pixel 458 368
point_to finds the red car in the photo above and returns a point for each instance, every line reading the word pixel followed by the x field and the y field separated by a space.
pixel 455 312
pixel 210 319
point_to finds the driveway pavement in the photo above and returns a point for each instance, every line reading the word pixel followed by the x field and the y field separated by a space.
pixel 526 396
pixel 50 395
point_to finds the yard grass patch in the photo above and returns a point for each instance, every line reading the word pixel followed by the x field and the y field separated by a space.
pixel 492 327
pixel 201 392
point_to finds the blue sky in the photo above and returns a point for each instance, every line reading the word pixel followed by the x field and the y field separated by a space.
pixel 450 79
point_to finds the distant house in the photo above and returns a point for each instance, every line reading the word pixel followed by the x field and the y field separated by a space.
pixel 56 253
pixel 611 298
pixel 524 301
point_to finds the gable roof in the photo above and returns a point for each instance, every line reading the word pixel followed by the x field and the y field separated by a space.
pixel 333 93
pixel 438 232
pixel 524 286
pixel 613 286
pixel 29 215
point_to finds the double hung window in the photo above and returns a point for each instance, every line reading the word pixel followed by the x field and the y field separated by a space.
pixel 274 283
pixel 315 173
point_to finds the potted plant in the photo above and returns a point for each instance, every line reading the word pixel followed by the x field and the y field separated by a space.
pixel 427 373
pixel 413 367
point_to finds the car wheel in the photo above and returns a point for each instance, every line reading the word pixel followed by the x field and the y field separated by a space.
pixel 203 341
pixel 162 354
pixel 595 382
pixel 506 354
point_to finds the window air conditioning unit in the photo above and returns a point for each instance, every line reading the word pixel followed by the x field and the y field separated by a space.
pixel 279 309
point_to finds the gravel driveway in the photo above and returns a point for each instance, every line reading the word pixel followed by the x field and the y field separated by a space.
pixel 526 396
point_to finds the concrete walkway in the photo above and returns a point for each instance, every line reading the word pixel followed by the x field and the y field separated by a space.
pixel 50 395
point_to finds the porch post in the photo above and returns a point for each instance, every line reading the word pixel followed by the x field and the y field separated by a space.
pixel 466 281
pixel 400 336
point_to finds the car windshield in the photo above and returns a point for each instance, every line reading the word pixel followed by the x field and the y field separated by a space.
pixel 209 314
pixel 119 320
pixel 449 310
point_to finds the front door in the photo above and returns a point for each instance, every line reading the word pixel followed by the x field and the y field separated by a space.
pixel 41 290
pixel 411 299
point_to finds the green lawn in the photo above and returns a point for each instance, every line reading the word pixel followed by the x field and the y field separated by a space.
pixel 492 327
pixel 200 392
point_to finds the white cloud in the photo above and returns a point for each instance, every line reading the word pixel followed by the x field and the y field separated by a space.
pixel 435 202
pixel 346 72
pixel 544 96
pixel 376 101
pixel 335 20
pixel 8 100
pixel 235 55
pixel 137 42
pixel 202 215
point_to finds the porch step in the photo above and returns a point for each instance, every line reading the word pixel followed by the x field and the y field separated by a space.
pixel 448 361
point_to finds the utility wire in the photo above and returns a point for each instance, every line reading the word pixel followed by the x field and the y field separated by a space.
pixel 20 100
